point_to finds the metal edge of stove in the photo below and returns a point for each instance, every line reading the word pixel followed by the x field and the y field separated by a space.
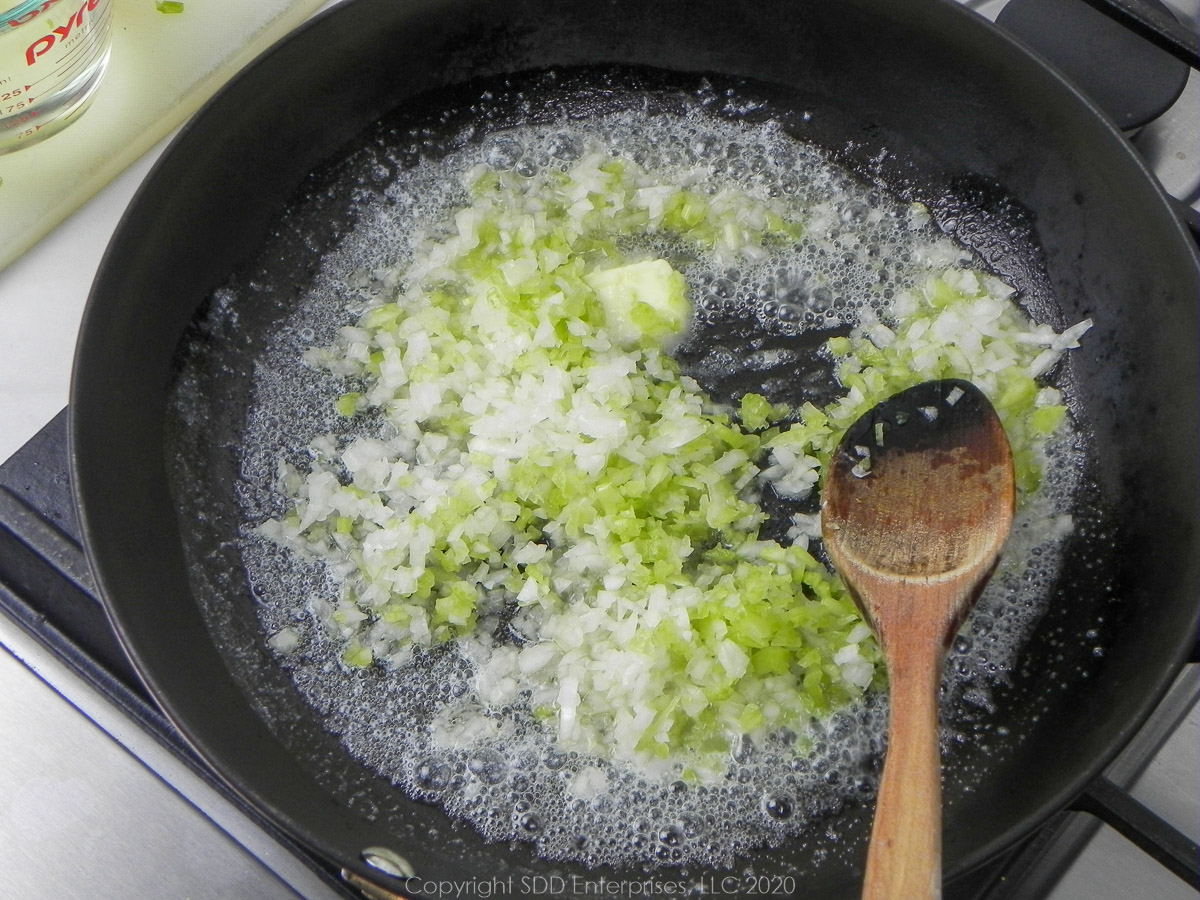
pixel 1170 144
pixel 279 859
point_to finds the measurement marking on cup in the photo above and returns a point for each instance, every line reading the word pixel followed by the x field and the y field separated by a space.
pixel 79 46
pixel 50 66
pixel 78 58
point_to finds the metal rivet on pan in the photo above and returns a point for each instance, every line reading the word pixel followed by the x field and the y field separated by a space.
pixel 368 889
pixel 389 862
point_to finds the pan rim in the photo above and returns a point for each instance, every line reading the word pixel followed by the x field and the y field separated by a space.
pixel 90 523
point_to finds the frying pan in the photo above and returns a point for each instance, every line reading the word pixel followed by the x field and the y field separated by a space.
pixel 917 94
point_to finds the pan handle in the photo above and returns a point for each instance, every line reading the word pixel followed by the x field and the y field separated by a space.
pixel 1143 827
pixel 1156 25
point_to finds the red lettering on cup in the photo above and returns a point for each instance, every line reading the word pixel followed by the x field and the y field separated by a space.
pixel 45 43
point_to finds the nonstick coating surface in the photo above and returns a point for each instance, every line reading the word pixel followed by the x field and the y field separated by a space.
pixel 1005 154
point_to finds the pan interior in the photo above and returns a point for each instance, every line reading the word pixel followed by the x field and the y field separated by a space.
pixel 242 400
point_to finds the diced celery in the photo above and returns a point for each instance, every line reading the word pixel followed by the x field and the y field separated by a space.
pixel 347 404
pixel 544 453
pixel 1046 419
pixel 357 656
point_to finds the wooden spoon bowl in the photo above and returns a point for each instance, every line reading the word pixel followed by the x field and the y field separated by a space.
pixel 917 505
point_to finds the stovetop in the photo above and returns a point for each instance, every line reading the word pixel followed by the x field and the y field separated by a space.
pixel 100 797
pixel 126 798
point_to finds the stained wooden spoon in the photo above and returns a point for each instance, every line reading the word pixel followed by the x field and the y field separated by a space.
pixel 918 502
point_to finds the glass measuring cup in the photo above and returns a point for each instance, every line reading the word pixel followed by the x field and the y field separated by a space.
pixel 53 54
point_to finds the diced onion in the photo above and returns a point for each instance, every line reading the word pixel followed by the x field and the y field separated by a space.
pixel 545 452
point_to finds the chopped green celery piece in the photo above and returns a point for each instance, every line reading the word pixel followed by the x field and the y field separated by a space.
pixel 396 614
pixel 1046 419
pixel 1021 390
pixel 357 656
pixel 751 718
pixel 457 605
pixel 941 294
pixel 771 661
pixel 778 226
pixel 685 211
pixel 348 404
pixel 839 346
pixel 757 412
pixel 382 317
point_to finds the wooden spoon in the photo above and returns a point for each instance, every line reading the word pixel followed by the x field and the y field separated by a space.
pixel 917 505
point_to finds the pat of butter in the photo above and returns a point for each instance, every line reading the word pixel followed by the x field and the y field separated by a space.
pixel 643 300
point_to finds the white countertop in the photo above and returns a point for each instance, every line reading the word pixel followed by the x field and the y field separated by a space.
pixel 162 68
pixel 42 295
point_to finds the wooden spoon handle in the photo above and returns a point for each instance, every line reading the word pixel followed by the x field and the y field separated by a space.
pixel 905 857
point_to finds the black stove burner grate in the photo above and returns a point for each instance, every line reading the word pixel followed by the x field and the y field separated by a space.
pixel 46 587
